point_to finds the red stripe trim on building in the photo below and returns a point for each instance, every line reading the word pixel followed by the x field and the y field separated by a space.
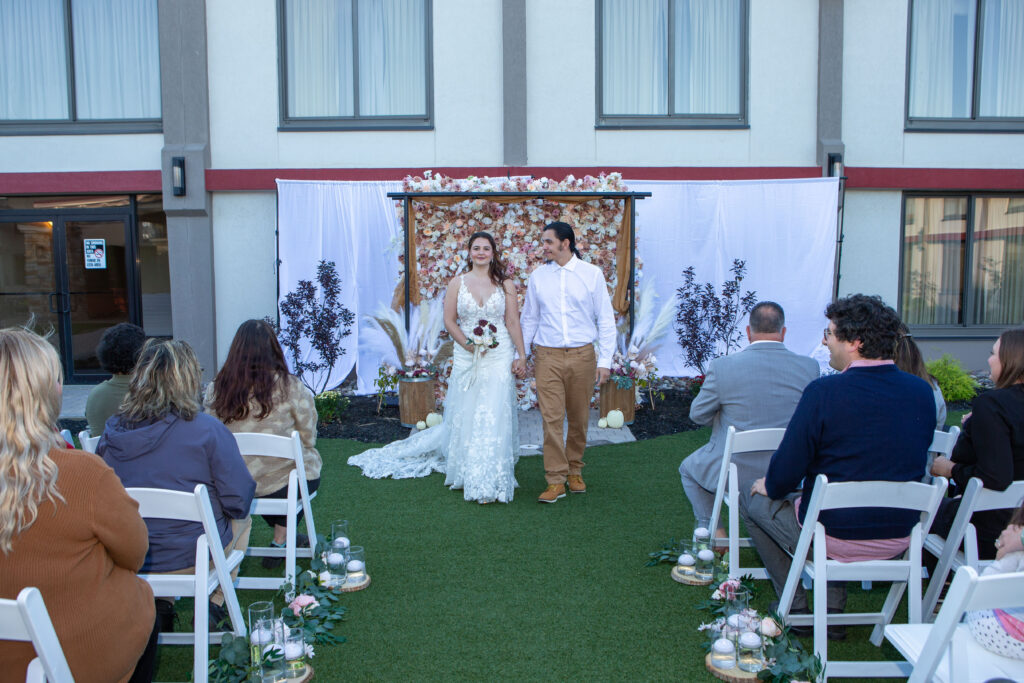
pixel 862 177
pixel 80 182
pixel 222 180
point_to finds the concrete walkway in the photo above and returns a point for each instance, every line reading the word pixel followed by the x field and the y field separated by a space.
pixel 531 430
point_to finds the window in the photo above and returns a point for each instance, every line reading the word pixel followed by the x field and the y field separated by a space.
pixel 355 64
pixel 963 260
pixel 966 65
pixel 671 63
pixel 79 66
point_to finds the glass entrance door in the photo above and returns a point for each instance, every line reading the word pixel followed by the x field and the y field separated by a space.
pixel 28 281
pixel 96 292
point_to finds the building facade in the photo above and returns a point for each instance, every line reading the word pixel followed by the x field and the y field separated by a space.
pixel 155 129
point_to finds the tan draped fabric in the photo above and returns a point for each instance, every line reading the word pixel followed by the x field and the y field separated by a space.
pixel 623 243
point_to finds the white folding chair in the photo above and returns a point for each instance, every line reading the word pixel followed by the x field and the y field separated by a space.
pixel 976 498
pixel 941 651
pixel 194 507
pixel 299 498
pixel 88 442
pixel 66 435
pixel 26 619
pixel 750 441
pixel 903 572
pixel 942 444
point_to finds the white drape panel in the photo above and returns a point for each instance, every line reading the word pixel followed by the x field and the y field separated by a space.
pixel 33 72
pixel 785 230
pixel 707 56
pixel 392 44
pixel 319 44
pixel 117 62
pixel 942 58
pixel 353 224
pixel 1002 59
pixel 634 57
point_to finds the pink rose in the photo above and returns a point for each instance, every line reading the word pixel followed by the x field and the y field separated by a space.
pixel 303 603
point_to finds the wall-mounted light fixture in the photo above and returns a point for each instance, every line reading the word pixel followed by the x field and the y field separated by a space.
pixel 835 165
pixel 178 176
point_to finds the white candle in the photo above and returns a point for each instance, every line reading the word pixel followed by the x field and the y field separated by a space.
pixel 356 565
pixel 706 555
pixel 335 559
pixel 686 559
pixel 261 636
pixel 701 532
pixel 341 541
pixel 294 650
pixel 723 646
pixel 750 640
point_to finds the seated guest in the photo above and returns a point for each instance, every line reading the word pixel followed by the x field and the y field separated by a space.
pixel 254 392
pixel 1002 630
pixel 757 388
pixel 117 351
pixel 871 422
pixel 68 528
pixel 991 445
pixel 161 439
pixel 908 359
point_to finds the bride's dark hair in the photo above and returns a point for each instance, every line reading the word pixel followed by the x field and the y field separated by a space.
pixel 496 271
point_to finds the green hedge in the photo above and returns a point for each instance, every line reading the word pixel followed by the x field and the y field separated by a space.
pixel 955 383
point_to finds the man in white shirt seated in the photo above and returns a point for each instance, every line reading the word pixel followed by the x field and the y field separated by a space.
pixel 567 309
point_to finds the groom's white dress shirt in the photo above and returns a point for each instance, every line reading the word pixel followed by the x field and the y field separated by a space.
pixel 568 306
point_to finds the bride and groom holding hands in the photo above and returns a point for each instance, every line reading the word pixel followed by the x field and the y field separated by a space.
pixel 566 310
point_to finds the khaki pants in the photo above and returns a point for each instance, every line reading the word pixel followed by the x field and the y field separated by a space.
pixel 240 529
pixel 565 384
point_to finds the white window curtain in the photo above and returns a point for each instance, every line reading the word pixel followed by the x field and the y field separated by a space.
pixel 33 70
pixel 1002 59
pixel 998 273
pixel 707 57
pixel 319 44
pixel 117 63
pixel 942 58
pixel 634 57
pixel 391 54
pixel 392 46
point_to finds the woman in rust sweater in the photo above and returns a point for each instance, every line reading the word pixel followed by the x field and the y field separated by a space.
pixel 67 527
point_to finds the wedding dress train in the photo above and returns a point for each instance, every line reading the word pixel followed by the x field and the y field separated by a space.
pixel 476 446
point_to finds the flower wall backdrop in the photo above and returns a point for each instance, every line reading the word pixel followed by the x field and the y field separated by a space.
pixel 443 225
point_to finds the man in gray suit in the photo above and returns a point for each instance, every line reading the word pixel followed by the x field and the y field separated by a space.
pixel 757 388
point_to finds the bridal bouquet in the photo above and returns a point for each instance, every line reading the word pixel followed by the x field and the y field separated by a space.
pixel 485 334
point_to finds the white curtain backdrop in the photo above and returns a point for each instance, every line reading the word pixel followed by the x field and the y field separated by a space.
pixel 785 230
pixel 353 224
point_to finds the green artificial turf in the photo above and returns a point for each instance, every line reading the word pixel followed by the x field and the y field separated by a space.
pixel 521 591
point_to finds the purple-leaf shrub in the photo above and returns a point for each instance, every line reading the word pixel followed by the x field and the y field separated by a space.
pixel 706 320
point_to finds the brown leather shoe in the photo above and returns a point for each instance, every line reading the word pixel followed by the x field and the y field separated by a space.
pixel 552 493
pixel 576 484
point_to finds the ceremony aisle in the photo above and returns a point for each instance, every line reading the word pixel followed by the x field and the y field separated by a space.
pixel 524 591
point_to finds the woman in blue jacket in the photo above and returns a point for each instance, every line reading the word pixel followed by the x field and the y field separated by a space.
pixel 160 438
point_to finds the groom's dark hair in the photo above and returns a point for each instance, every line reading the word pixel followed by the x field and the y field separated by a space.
pixel 564 231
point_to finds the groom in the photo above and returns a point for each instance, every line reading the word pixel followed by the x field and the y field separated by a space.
pixel 567 309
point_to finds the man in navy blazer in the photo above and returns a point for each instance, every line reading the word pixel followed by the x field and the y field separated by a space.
pixel 757 388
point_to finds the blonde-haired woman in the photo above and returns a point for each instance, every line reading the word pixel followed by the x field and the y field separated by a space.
pixel 68 528
pixel 160 438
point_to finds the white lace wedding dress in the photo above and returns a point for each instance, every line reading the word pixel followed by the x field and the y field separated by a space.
pixel 477 444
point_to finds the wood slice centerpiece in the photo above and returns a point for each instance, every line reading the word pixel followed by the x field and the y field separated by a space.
pixel 733 675
pixel 614 398
pixel 415 399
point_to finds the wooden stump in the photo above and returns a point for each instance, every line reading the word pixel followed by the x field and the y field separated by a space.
pixel 614 398
pixel 415 399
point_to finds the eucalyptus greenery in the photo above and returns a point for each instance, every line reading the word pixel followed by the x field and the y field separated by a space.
pixel 668 553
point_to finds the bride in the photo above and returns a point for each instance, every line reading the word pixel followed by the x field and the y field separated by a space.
pixel 477 444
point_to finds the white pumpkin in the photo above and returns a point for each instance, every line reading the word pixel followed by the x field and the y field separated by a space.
pixel 434 419
pixel 602 423
pixel 615 419
pixel 421 425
